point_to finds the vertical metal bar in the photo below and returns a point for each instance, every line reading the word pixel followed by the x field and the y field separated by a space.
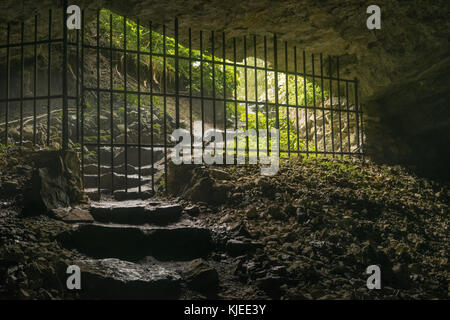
pixel 98 104
pixel 357 115
pixel 49 75
pixel 323 105
pixel 224 97
pixel 35 79
pixel 348 117
pixel 246 97
pixel 151 106
pixel 165 105
pixel 65 92
pixel 314 101
pixel 362 132
pixel 83 98
pixel 125 115
pixel 22 67
pixel 235 98
pixel 190 94
pixel 267 95
pixel 202 103
pixel 256 97
pixel 213 83
pixel 339 106
pixel 275 62
pixel 331 106
pixel 177 78
pixel 77 86
pixel 287 97
pixel 296 102
pixel 139 98
pixel 305 98
pixel 8 75
pixel 111 102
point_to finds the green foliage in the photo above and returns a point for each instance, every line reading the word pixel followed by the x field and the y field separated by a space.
pixel 216 78
pixel 259 120
pixel 224 78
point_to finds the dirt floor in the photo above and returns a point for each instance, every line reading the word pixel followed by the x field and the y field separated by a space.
pixel 309 232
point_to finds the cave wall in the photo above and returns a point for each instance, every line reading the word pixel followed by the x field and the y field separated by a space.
pixel 402 68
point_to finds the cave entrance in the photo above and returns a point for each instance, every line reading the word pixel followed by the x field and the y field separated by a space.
pixel 116 89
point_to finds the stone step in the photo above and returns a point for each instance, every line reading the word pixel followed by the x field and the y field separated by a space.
pixel 121 195
pixel 131 243
pixel 147 170
pixel 136 212
pixel 120 181
pixel 117 279
pixel 132 155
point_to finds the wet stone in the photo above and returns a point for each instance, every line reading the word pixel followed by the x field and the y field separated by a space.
pixel 117 279
pixel 202 277
pixel 135 243
pixel 136 212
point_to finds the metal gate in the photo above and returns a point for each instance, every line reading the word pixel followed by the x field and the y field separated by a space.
pixel 116 89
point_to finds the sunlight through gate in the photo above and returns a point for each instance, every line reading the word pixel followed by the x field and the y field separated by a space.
pixel 116 89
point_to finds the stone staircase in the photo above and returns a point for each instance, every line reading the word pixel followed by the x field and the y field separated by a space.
pixel 136 249
pixel 123 176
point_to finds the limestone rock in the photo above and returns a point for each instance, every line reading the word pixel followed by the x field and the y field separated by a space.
pixel 55 183
pixel 201 276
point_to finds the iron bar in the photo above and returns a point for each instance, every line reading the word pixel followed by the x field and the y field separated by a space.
pixel 267 96
pixel 138 31
pixel 165 107
pixel 305 97
pixel 323 104
pixel 8 75
pixel 111 100
pixel 296 99
pixel 331 107
pixel 314 102
pixel 151 105
pixel 339 104
pixel 22 67
pixel 65 90
pixel 99 169
pixel 348 116
pixel 49 83
pixel 287 96
pixel 190 94
pixel 177 77
pixel 256 97
pixel 235 97
pixel 125 114
pixel 35 78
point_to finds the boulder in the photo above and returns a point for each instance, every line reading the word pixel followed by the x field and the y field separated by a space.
pixel 56 182
pixel 202 277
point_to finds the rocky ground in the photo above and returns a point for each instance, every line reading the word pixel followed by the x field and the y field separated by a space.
pixel 315 227
pixel 308 233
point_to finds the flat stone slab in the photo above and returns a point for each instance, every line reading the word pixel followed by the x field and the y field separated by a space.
pixel 70 215
pixel 118 279
pixel 136 212
pixel 178 243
